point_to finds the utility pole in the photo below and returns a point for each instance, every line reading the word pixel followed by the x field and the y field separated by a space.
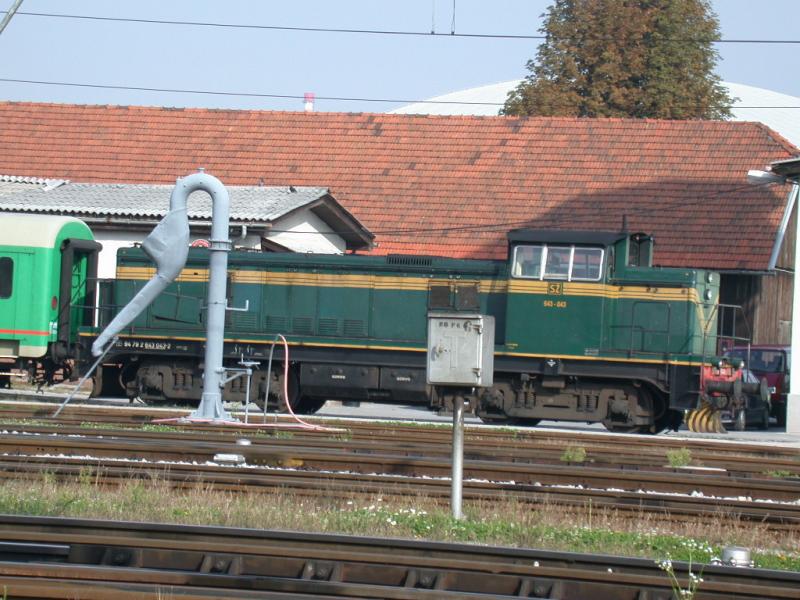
pixel 10 13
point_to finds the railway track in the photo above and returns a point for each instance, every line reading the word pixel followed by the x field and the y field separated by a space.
pixel 395 460
pixel 63 558
pixel 547 446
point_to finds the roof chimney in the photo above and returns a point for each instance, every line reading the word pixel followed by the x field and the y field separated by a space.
pixel 308 98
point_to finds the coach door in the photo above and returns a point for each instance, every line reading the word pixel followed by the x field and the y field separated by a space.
pixel 16 323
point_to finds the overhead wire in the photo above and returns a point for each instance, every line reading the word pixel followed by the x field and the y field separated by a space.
pixel 295 96
pixel 396 32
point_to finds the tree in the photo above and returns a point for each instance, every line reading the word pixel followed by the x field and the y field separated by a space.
pixel 625 58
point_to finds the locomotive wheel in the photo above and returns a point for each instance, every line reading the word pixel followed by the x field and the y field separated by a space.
pixel 106 382
pixel 308 406
pixel 623 428
pixel 301 404
pixel 661 416
pixel 493 419
pixel 500 420
pixel 276 396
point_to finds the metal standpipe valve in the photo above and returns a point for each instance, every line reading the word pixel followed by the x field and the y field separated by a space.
pixel 734 556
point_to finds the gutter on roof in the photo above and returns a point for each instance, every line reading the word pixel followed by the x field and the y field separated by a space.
pixel 744 272
pixel 791 200
pixel 117 221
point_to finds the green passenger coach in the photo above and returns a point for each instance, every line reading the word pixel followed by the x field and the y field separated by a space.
pixel 586 329
pixel 48 267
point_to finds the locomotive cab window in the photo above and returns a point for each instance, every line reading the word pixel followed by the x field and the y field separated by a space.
pixel 6 276
pixel 570 263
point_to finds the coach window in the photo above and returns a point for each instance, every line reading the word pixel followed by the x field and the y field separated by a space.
pixel 587 264
pixel 527 262
pixel 6 276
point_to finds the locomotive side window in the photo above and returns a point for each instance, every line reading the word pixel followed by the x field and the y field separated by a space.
pixel 558 262
pixel 586 264
pixel 528 262
pixel 573 263
pixel 6 276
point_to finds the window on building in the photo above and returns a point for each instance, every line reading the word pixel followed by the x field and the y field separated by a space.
pixel 6 276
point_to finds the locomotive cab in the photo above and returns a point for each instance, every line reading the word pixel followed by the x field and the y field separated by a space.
pixel 594 332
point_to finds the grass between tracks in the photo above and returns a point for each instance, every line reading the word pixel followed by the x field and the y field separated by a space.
pixel 546 526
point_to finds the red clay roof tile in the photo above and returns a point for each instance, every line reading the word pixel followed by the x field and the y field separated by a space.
pixel 440 184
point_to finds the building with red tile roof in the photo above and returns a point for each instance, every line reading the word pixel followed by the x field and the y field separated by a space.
pixel 443 185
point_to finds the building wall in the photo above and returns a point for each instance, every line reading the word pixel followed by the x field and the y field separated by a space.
pixel 766 300
pixel 774 302
pixel 303 231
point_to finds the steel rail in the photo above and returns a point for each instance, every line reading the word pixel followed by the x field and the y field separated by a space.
pixel 344 485
pixel 713 483
pixel 544 445
pixel 399 442
pixel 346 566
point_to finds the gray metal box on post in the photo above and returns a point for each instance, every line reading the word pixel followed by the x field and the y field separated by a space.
pixel 460 350
pixel 460 355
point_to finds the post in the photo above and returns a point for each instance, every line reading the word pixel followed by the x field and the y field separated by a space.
pixel 793 399
pixel 457 482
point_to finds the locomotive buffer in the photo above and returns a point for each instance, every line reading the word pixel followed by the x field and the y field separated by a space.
pixel 460 358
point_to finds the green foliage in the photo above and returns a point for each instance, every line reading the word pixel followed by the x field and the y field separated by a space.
pixel 625 58
pixel 679 457
pixel 574 454
pixel 779 474
pixel 156 500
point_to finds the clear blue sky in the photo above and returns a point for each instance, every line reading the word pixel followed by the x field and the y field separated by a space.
pixel 329 64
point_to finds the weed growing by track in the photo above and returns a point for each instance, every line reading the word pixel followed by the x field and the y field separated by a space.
pixel 679 457
pixel 574 454
pixel 547 526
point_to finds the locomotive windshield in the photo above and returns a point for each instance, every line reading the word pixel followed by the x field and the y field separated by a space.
pixel 570 263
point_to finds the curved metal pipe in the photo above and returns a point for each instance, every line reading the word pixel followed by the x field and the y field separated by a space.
pixel 211 402
pixel 168 247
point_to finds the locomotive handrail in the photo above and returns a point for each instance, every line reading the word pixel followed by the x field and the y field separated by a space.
pixel 719 316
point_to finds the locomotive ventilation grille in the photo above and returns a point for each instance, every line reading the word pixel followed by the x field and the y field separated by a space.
pixel 410 261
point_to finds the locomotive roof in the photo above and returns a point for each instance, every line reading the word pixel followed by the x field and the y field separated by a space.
pixel 564 236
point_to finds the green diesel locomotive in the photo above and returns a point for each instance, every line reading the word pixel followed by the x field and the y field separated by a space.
pixel 48 271
pixel 586 330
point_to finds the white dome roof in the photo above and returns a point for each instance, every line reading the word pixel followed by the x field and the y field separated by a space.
pixel 766 106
